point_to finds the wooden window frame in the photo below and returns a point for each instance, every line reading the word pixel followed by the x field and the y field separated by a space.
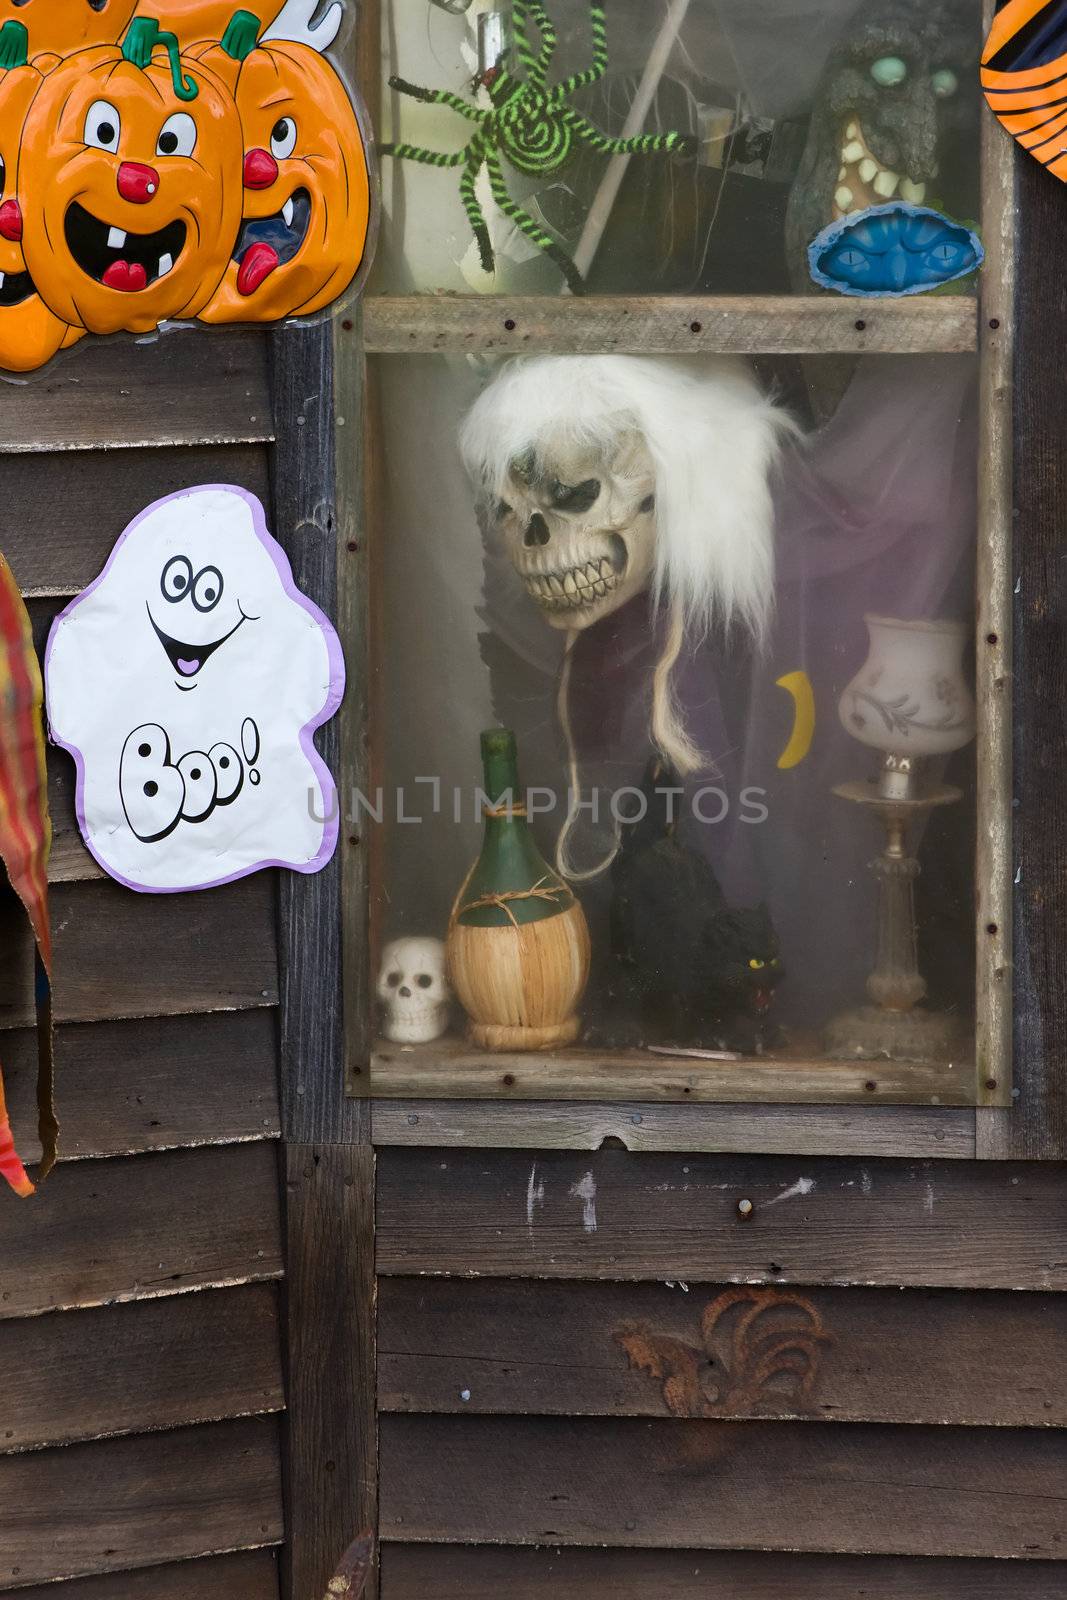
pixel 391 325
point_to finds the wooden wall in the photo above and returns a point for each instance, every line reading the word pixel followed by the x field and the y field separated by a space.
pixel 596 1377
pixel 140 1349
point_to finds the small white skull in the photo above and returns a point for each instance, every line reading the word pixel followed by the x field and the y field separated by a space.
pixel 414 990
pixel 580 528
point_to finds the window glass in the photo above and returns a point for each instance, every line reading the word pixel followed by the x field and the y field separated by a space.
pixel 752 126
pixel 840 631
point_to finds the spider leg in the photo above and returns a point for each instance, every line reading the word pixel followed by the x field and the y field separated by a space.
pixel 527 225
pixel 593 74
pixel 643 144
pixel 536 67
pixel 438 97
pixel 475 215
pixel 428 158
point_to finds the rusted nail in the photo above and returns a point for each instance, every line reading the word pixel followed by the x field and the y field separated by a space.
pixel 745 1209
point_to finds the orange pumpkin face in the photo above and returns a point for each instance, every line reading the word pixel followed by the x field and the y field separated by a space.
pixel 66 25
pixel 306 189
pixel 129 184
pixel 29 334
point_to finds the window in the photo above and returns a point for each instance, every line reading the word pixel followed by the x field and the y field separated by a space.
pixel 827 980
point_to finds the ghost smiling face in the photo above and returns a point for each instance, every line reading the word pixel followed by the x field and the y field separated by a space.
pixel 187 682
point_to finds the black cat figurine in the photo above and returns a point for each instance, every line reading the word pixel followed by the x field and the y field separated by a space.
pixel 689 969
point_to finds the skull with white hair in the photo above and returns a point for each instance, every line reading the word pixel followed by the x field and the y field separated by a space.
pixel 578 522
pixel 414 990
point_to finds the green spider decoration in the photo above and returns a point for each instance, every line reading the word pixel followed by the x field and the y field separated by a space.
pixel 532 127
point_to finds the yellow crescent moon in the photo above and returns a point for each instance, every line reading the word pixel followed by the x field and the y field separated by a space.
pixel 798 684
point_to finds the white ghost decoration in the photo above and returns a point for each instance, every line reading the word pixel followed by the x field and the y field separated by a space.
pixel 187 682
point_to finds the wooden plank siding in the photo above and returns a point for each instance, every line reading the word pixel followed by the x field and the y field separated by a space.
pixel 249 1576
pixel 456 1572
pixel 124 1503
pixel 598 1376
pixel 140 1319
pixel 184 388
pixel 849 1488
pixel 160 1083
pixel 552 1214
pixel 132 1368
pixel 519 1347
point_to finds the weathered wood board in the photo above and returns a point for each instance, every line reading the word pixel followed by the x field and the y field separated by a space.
pixel 942 1224
pixel 119 954
pixel 666 325
pixel 248 1576
pixel 129 1502
pixel 85 499
pixel 415 1572
pixel 604 1349
pixel 854 1488
pixel 155 1084
pixel 83 1375
pixel 185 388
pixel 134 1229
pixel 942 1132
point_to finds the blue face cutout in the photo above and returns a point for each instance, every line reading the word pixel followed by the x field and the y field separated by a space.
pixel 895 249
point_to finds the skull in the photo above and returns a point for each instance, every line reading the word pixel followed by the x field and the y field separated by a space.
pixel 414 990
pixel 580 527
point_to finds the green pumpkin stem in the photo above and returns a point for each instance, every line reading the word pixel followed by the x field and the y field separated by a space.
pixel 142 37
pixel 241 35
pixel 14 46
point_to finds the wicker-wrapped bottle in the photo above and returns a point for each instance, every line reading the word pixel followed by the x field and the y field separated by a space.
pixel 518 943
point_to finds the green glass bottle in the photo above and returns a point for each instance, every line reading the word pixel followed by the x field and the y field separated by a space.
pixel 511 881
pixel 518 944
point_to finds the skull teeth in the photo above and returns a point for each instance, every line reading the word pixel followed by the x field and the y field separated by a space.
pixel 574 589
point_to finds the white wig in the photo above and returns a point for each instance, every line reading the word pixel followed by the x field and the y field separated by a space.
pixel 713 438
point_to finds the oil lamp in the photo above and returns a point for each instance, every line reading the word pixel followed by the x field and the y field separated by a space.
pixel 909 701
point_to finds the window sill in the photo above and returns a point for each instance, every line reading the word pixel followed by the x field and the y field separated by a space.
pixel 449 1069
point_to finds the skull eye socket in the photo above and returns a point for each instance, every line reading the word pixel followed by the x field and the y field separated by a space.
pixel 580 497
pixel 502 510
pixel 424 980
pixel 393 980
pixel 648 504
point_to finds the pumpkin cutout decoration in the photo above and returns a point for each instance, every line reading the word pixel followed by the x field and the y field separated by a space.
pixel 29 334
pixel 307 195
pixel 66 25
pixel 197 20
pixel 129 184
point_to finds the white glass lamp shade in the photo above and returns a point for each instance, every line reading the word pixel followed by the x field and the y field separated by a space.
pixel 910 697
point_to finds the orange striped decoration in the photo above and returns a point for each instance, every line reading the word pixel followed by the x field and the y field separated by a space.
pixel 25 841
pixel 11 1167
pixel 1024 77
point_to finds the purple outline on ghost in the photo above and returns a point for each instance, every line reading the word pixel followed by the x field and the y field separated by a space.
pixel 335 694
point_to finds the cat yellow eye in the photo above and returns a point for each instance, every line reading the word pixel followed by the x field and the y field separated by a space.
pixel 756 965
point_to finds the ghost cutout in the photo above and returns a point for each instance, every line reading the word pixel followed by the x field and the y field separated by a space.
pixel 187 682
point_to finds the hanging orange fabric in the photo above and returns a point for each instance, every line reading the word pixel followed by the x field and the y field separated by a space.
pixel 25 842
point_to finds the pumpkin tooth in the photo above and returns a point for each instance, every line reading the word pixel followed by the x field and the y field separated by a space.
pixel 165 264
pixel 287 213
pixel 116 238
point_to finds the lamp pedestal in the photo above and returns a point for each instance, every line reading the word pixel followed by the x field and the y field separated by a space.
pixel 894 1027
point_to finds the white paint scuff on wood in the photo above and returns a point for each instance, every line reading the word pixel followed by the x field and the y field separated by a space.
pixel 585 1191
